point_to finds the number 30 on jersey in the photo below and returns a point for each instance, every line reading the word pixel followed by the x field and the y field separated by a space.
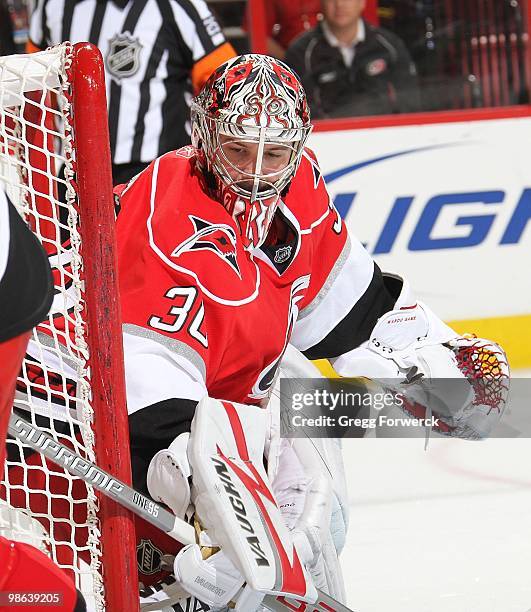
pixel 179 313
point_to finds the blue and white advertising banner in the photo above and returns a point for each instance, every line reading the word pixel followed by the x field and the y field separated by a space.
pixel 447 205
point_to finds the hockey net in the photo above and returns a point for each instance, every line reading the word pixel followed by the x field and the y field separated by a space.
pixel 55 168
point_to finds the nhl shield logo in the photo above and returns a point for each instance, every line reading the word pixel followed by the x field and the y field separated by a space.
pixel 282 254
pixel 123 57
pixel 148 557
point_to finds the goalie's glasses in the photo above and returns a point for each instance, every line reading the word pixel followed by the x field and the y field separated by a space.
pixel 250 123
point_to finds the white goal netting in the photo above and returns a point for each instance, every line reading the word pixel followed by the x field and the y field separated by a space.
pixel 43 504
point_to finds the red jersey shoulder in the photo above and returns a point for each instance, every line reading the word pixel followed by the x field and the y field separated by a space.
pixel 308 197
pixel 190 233
pixel 322 230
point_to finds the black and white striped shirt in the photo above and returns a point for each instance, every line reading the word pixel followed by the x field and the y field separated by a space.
pixel 156 52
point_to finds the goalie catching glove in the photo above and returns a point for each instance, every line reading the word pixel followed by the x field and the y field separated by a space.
pixel 412 346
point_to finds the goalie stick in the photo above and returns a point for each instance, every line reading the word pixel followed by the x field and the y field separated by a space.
pixel 139 504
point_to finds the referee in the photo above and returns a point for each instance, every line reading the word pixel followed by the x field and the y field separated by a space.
pixel 157 54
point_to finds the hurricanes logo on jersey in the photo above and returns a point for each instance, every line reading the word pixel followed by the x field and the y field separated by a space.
pixel 216 237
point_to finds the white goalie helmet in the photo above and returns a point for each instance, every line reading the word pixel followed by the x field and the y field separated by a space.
pixel 250 123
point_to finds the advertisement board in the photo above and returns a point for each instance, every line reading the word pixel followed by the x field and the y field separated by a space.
pixel 449 207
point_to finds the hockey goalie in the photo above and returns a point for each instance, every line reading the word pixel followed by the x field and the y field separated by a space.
pixel 230 250
pixel 234 266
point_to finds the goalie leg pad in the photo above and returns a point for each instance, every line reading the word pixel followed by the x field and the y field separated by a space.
pixel 313 494
pixel 234 500
pixel 295 365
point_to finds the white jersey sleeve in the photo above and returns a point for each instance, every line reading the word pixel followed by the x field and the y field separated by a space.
pixel 158 368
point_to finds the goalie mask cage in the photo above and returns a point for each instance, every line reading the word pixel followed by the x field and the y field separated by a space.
pixel 55 167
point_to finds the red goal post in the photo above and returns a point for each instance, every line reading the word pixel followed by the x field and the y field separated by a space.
pixel 55 166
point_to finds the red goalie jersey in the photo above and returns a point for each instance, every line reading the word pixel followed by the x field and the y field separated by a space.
pixel 203 315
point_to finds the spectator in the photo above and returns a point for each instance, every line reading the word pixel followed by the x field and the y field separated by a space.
pixel 156 55
pixel 349 67
pixel 7 44
pixel 286 21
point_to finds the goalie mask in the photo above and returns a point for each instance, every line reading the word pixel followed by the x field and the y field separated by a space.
pixel 250 123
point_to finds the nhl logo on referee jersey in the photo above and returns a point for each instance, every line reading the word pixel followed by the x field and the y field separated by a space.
pixel 123 57
pixel 148 557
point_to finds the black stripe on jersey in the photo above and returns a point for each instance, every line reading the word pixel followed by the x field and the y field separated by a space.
pixel 145 94
pixel 68 13
pixel 46 36
pixel 133 16
pixel 181 53
pixel 154 428
pixel 175 111
pixel 357 326
pixel 97 22
pixel 191 11
pixel 115 93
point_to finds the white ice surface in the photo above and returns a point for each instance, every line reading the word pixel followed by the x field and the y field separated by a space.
pixel 442 530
